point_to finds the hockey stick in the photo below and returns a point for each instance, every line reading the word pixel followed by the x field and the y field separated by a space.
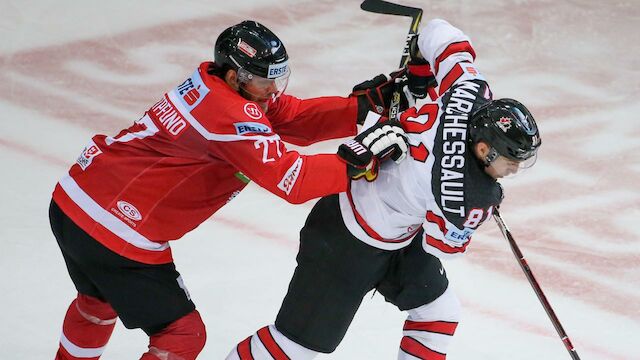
pixel 534 284
pixel 384 7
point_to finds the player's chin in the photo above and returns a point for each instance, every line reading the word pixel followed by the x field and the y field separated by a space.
pixel 264 105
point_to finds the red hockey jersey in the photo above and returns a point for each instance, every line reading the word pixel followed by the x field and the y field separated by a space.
pixel 190 154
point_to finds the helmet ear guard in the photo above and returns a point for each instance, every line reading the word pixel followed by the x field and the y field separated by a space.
pixel 508 127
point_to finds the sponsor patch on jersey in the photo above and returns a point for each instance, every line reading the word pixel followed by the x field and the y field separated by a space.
pixel 290 177
pixel 471 70
pixel 88 153
pixel 129 210
pixel 192 91
pixel 253 111
pixel 251 127
pixel 458 237
pixel 277 70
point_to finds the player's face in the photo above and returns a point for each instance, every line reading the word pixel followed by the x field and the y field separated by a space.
pixel 261 90
pixel 502 166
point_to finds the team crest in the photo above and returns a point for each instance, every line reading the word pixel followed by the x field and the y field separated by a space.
pixel 504 123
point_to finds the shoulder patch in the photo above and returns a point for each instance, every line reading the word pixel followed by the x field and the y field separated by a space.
pixel 471 70
pixel 192 91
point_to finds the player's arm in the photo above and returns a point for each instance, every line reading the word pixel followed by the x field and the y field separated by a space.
pixel 444 239
pixel 449 52
pixel 307 121
pixel 298 178
pixel 449 235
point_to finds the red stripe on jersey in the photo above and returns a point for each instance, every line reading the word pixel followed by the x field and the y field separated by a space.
pixel 413 347
pixel 367 229
pixel 105 237
pixel 457 47
pixel 272 346
pixel 439 327
pixel 450 78
pixel 440 245
pixel 433 218
pixel 244 349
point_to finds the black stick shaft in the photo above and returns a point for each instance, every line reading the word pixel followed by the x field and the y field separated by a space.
pixel 384 7
pixel 536 287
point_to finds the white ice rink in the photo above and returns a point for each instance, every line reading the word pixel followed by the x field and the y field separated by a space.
pixel 70 69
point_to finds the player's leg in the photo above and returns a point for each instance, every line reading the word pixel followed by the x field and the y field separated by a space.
pixel 269 343
pixel 154 299
pixel 90 320
pixel 430 327
pixel 150 297
pixel 86 330
pixel 417 283
pixel 181 339
pixel 334 272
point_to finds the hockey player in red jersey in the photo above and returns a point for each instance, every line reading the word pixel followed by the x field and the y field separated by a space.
pixel 388 235
pixel 128 195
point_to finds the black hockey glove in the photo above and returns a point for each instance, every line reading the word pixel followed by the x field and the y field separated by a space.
pixel 420 79
pixel 375 94
pixel 364 153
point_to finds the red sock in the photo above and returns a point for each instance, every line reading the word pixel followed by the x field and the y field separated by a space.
pixel 86 330
pixel 183 339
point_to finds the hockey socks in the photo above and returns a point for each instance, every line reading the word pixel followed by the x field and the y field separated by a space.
pixel 183 339
pixel 86 329
pixel 429 329
pixel 270 344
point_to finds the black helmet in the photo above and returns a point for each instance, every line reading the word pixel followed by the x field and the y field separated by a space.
pixel 252 47
pixel 508 127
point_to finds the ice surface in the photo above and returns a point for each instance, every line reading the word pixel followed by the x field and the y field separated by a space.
pixel 70 69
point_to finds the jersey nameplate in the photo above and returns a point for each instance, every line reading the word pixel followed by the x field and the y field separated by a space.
pixel 454 145
pixel 170 117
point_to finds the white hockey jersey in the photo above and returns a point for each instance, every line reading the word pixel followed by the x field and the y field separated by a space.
pixel 441 188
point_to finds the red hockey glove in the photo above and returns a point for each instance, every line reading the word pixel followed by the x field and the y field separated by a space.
pixel 375 94
pixel 364 153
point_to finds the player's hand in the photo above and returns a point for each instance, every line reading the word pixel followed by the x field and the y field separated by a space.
pixel 420 79
pixel 375 94
pixel 364 153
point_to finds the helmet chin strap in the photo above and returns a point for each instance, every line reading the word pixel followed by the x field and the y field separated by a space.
pixel 491 157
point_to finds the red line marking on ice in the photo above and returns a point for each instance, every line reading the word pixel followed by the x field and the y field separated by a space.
pixel 112 55
pixel 277 238
pixel 547 332
pixel 33 153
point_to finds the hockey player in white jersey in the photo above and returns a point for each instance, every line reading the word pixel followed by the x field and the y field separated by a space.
pixel 389 234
